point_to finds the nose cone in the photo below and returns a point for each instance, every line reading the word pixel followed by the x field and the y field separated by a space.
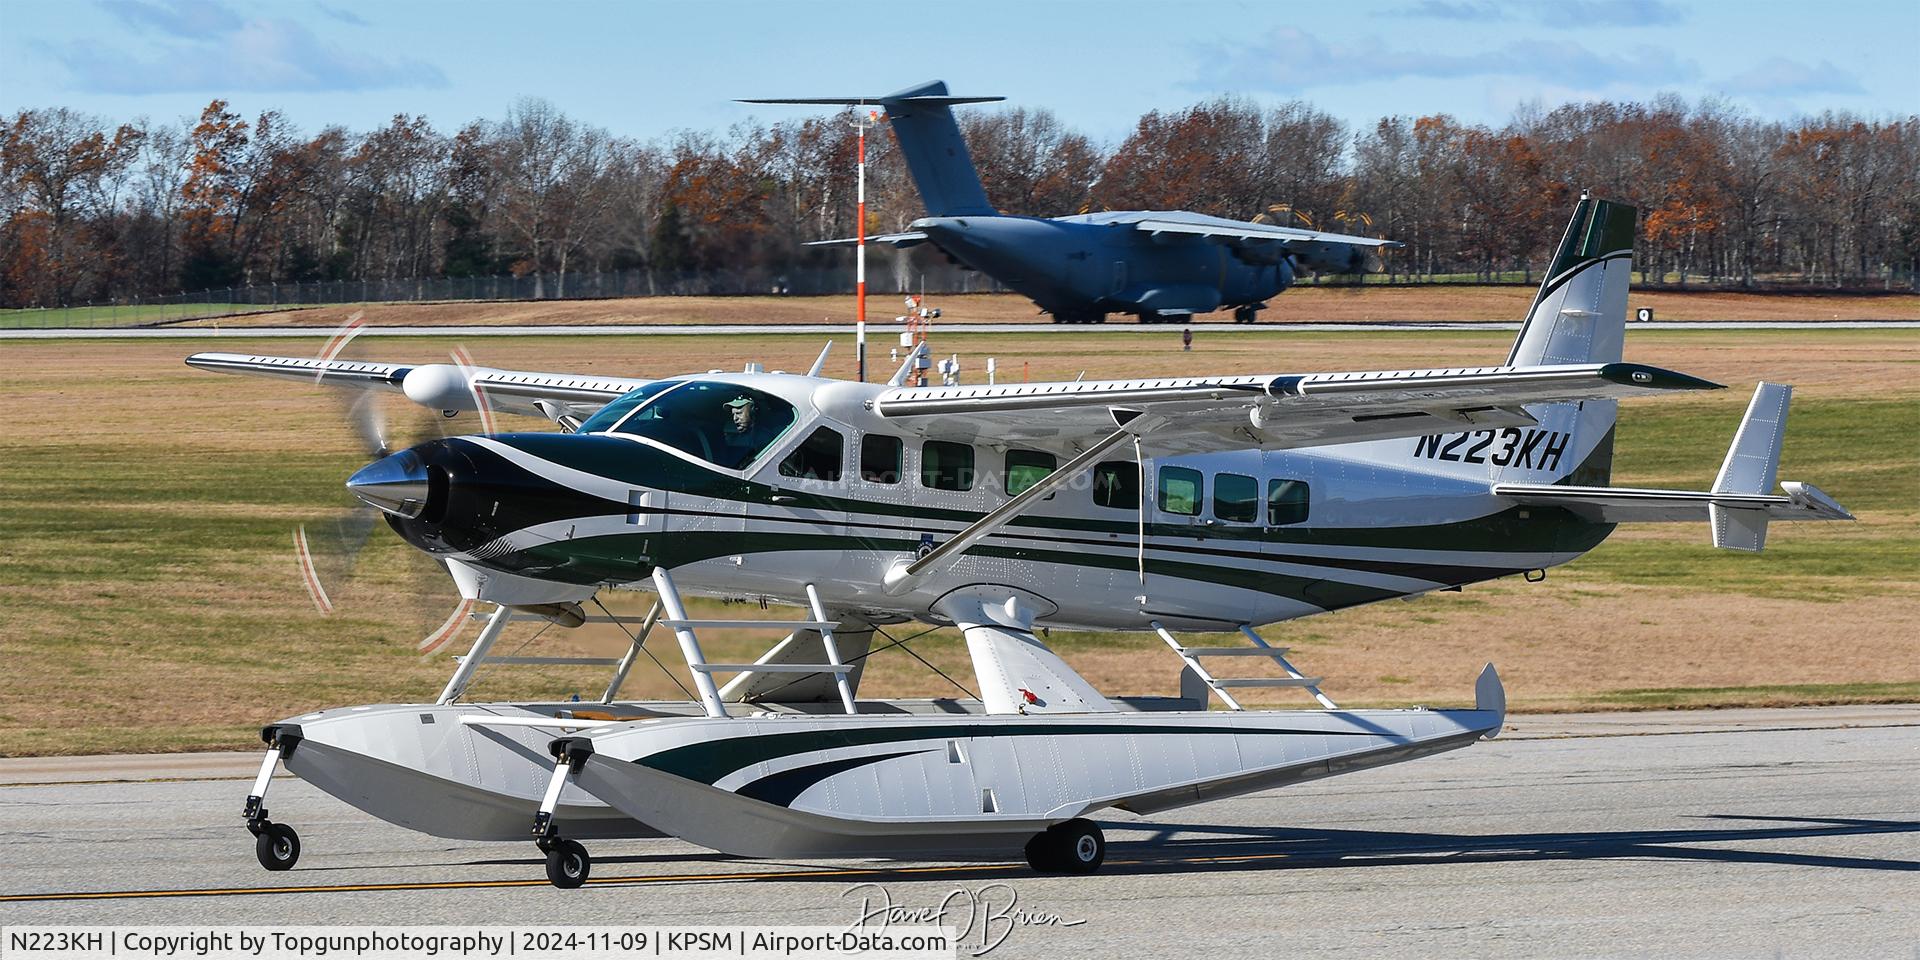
pixel 396 484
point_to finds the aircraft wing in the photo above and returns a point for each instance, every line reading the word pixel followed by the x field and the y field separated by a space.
pixel 1232 230
pixel 438 386
pixel 1278 411
pixel 1265 243
pixel 907 239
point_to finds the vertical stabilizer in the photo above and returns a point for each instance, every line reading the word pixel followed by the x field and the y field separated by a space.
pixel 936 154
pixel 1580 313
pixel 1580 316
pixel 1752 467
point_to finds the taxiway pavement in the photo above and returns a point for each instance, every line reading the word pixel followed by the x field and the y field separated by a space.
pixel 1782 833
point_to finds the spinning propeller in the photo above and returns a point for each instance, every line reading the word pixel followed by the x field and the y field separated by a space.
pixel 327 553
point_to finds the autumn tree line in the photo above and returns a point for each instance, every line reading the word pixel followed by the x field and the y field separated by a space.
pixel 98 211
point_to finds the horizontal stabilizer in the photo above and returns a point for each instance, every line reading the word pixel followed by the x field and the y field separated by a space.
pixel 1740 504
pixel 1802 501
pixel 896 240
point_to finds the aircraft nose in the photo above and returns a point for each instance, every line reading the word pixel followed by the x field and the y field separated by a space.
pixel 397 484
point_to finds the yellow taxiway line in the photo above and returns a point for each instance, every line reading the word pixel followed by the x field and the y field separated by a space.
pixel 665 878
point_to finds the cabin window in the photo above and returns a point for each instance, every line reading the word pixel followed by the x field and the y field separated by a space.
pixel 817 457
pixel 1181 491
pixel 1236 499
pixel 1286 502
pixel 881 458
pixel 1116 483
pixel 946 466
pixel 1026 468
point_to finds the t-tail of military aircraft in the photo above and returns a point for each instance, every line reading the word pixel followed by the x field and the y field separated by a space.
pixel 930 140
pixel 1162 266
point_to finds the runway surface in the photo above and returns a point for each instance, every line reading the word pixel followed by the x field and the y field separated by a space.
pixel 884 330
pixel 1737 833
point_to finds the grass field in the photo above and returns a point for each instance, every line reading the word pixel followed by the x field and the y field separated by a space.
pixel 149 598
pixel 1439 302
pixel 1300 305
pixel 127 315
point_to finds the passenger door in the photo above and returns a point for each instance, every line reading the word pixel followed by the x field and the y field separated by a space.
pixel 806 484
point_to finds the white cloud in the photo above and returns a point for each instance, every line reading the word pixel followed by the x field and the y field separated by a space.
pixel 1780 77
pixel 1563 14
pixel 1603 14
pixel 344 15
pixel 192 19
pixel 1289 60
pixel 208 47
pixel 1472 10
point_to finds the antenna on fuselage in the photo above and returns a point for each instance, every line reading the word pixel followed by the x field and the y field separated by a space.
pixel 820 363
pixel 907 366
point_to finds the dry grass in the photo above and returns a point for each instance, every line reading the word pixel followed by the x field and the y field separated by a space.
pixel 149 600
pixel 1301 304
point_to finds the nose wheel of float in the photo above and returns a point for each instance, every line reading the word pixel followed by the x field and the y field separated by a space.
pixel 568 864
pixel 275 844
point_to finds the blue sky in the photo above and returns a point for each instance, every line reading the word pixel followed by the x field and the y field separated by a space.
pixel 645 68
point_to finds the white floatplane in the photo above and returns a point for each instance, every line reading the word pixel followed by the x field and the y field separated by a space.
pixel 1172 505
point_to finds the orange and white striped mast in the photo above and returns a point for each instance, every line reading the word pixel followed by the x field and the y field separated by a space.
pixel 860 249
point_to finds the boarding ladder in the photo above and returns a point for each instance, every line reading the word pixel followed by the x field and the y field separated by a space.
pixel 669 612
pixel 1192 656
pixel 481 652
pixel 683 628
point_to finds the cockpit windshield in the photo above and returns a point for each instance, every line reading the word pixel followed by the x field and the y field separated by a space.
pixel 616 411
pixel 721 423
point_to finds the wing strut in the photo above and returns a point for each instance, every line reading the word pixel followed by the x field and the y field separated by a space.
pixel 904 573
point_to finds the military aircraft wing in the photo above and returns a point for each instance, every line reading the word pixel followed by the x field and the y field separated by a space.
pixel 906 239
pixel 1220 228
pixel 1276 411
pixel 438 386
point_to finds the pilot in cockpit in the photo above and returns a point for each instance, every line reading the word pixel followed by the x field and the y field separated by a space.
pixel 740 432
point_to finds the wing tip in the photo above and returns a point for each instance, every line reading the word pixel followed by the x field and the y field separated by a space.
pixel 1655 378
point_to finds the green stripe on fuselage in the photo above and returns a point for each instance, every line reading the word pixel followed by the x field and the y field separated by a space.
pixel 628 557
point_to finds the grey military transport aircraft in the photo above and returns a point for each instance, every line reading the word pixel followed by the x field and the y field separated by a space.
pixel 1196 504
pixel 1159 265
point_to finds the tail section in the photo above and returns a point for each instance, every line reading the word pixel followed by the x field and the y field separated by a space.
pixel 936 154
pixel 1580 316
